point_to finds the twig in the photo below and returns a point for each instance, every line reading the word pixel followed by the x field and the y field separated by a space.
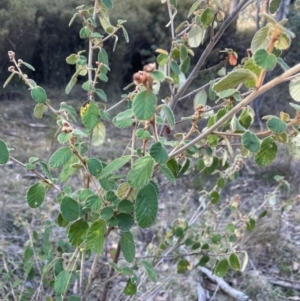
pixel 90 277
pixel 224 286
pixel 116 105
pixel 238 107
pixel 206 52
pixel 111 272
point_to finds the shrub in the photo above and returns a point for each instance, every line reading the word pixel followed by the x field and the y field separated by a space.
pixel 115 197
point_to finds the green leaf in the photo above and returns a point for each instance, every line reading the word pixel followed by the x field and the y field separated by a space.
pixel 175 68
pixel 260 39
pixel 144 105
pixel 38 94
pixel 61 221
pixel 265 60
pixel 28 66
pixel 64 137
pixel 169 115
pixel 60 157
pixel 159 153
pixel 69 208
pixel 283 42
pixel 90 116
pixel 294 88
pixel 200 99
pixel 125 34
pixel 185 65
pixel 267 152
pixel 84 32
pixel 39 110
pixel 45 169
pixel 207 17
pixel 274 5
pixel 233 79
pixel 221 268
pixel 247 117
pixel 107 213
pixel 183 52
pixel 125 206
pixel 103 58
pixel 282 64
pixel 77 231
pixel 173 166
pixel 98 134
pixel 214 197
pixel 94 166
pixel 8 80
pixel 276 125
pixel 4 153
pixel 141 172
pixel 195 36
pixel 250 65
pixel 35 195
pixel 93 201
pixel 251 224
pixel 146 205
pixel 71 59
pixel 185 167
pixel 234 262
pixel 101 94
pixel 62 282
pixel 130 289
pixel 143 134
pixel 168 173
pixel 107 3
pixel 194 7
pixel 204 260
pixel 149 270
pixel 125 221
pixel 251 142
pixel 157 75
pixel 182 266
pixel 127 246
pixel 162 59
pixel 95 236
pixel 114 165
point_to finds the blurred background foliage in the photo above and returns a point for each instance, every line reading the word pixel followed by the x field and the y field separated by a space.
pixel 38 32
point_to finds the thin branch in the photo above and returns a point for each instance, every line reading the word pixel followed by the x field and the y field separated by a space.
pixel 116 105
pixel 111 273
pixel 207 51
pixel 238 107
pixel 90 277
pixel 41 177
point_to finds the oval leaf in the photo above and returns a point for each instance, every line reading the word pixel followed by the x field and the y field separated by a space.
pixel 60 157
pixel 38 94
pixel 141 172
pixel 159 153
pixel 234 262
pixel 233 79
pixel 149 270
pixel 221 268
pixel 4 153
pixel 127 246
pixel 69 208
pixel 146 205
pixel 265 60
pixel 95 236
pixel 276 125
pixel 144 105
pixel 35 195
pixel 251 142
pixel 62 282
pixel 267 152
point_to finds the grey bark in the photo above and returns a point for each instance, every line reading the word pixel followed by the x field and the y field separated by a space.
pixel 283 10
